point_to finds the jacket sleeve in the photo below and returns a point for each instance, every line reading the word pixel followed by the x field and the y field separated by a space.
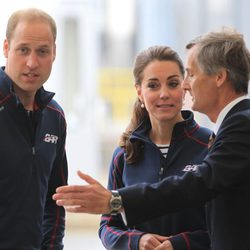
pixel 196 240
pixel 112 232
pixel 226 166
pixel 54 216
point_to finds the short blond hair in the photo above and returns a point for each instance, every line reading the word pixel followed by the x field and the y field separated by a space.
pixel 29 15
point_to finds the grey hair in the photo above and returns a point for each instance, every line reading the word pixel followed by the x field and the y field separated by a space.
pixel 224 49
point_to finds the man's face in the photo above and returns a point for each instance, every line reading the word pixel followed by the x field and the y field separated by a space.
pixel 202 87
pixel 29 56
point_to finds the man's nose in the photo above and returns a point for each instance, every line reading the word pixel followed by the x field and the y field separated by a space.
pixel 32 61
pixel 185 85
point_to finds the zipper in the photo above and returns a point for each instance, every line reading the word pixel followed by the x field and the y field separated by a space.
pixel 161 173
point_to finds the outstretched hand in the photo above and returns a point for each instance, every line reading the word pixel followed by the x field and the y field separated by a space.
pixel 92 198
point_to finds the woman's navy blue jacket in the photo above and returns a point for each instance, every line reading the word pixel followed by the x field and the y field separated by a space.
pixel 189 145
pixel 32 164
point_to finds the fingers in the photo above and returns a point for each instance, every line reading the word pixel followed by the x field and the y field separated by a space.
pixel 90 198
pixel 166 245
pixel 148 242
pixel 65 201
pixel 161 238
pixel 75 209
pixel 87 178
pixel 68 194
pixel 70 188
pixel 77 188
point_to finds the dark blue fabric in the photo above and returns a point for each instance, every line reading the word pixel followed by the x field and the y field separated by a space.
pixel 222 180
pixel 188 146
pixel 33 163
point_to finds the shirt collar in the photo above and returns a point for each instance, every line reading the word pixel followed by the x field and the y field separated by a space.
pixel 225 110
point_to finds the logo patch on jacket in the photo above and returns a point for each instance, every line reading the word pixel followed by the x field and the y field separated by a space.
pixel 51 138
pixel 189 168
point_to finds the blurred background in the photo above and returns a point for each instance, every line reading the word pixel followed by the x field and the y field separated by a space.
pixel 92 75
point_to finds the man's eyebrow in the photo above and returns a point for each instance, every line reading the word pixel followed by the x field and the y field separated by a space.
pixel 27 45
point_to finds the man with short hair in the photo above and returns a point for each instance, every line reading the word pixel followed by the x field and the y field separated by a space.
pixel 218 71
pixel 32 131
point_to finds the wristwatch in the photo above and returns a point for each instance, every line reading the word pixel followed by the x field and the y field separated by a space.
pixel 115 202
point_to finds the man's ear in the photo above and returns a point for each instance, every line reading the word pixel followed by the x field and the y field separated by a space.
pixel 5 48
pixel 54 56
pixel 221 77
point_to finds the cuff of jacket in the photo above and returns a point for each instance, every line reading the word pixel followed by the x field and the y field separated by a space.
pixel 135 241
pixel 180 242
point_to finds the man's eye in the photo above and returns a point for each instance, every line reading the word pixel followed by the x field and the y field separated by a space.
pixel 43 51
pixel 189 75
pixel 23 50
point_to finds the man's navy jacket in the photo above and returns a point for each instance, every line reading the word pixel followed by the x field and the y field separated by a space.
pixel 222 180
pixel 189 145
pixel 32 164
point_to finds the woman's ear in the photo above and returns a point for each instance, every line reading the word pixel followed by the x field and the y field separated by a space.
pixel 138 91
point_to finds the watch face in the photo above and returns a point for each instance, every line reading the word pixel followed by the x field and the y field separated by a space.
pixel 116 203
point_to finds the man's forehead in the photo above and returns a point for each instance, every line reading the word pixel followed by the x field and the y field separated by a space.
pixel 191 56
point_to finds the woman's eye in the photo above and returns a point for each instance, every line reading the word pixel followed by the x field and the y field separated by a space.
pixel 152 85
pixel 174 84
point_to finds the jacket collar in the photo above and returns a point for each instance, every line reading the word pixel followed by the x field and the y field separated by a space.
pixel 180 129
pixel 42 97
pixel 226 110
pixel 241 105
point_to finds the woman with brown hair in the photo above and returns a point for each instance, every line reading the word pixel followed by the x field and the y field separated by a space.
pixel 160 139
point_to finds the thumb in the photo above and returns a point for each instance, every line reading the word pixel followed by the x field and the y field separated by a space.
pixel 162 238
pixel 87 178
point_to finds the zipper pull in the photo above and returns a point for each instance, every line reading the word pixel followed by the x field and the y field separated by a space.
pixel 33 151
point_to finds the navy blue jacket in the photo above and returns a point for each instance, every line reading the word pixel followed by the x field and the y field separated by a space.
pixel 33 164
pixel 222 179
pixel 188 227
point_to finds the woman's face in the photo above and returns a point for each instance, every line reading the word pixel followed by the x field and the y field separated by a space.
pixel 161 91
